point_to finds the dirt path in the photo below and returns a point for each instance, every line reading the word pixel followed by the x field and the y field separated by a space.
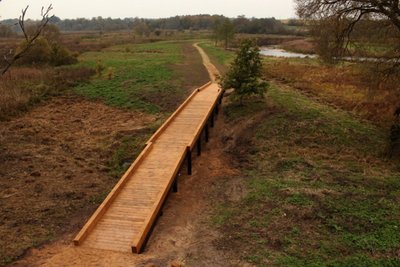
pixel 212 70
pixel 184 235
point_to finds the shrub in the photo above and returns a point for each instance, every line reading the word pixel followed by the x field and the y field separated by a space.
pixel 38 54
pixel 110 73
pixel 61 56
pixel 41 53
pixel 22 87
pixel 100 67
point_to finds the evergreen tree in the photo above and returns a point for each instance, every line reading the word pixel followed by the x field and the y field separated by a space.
pixel 244 74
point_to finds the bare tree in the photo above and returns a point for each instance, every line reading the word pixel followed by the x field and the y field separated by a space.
pixel 346 14
pixel 11 57
pixel 224 30
pixel 337 20
pixel 353 10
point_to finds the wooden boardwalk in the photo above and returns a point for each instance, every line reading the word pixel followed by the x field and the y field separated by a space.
pixel 124 220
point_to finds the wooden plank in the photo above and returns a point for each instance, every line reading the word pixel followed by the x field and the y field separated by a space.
pixel 111 196
pixel 138 240
pixel 180 108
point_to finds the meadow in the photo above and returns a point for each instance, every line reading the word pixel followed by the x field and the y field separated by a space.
pixel 311 155
pixel 321 191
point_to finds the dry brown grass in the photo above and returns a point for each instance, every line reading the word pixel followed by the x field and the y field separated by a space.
pixel 349 86
pixel 304 46
pixel 268 39
pixel 94 41
pixel 23 86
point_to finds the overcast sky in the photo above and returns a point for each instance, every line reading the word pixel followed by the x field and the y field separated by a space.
pixel 280 9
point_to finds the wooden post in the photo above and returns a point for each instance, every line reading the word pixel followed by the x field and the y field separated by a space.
pixel 212 120
pixel 189 161
pixel 207 132
pixel 199 146
pixel 175 185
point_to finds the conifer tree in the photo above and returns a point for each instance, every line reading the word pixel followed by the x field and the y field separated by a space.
pixel 244 74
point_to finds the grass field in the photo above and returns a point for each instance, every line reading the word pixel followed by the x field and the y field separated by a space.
pixel 136 76
pixel 350 86
pixel 320 191
pixel 143 77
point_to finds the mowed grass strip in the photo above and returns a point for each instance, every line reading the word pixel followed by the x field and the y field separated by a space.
pixel 320 191
pixel 137 77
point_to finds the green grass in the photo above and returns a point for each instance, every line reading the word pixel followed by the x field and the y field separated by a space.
pixel 321 193
pixel 370 49
pixel 137 77
pixel 129 148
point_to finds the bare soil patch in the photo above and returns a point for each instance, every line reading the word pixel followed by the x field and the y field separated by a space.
pixel 53 168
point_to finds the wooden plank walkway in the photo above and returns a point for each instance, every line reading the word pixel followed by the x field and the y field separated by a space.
pixel 125 218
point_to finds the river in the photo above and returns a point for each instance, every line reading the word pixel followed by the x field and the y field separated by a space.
pixel 276 52
pixel 272 51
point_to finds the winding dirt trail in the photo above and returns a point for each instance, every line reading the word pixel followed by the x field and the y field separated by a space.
pixel 183 236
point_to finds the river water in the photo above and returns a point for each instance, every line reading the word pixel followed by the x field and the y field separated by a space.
pixel 272 51
pixel 276 52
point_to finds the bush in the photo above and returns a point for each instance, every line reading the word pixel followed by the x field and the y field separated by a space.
pixel 38 54
pixel 23 87
pixel 100 67
pixel 42 53
pixel 61 56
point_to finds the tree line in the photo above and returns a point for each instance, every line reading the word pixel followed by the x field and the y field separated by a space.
pixel 179 23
